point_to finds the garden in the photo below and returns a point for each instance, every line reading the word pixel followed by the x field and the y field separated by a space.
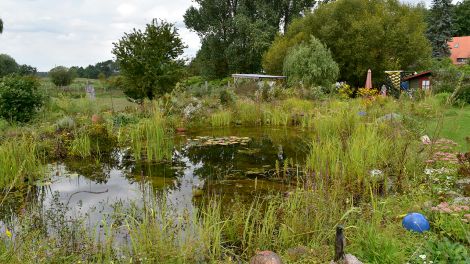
pixel 156 160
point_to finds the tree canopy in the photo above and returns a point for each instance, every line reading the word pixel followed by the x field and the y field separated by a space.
pixel 149 60
pixel 236 33
pixel 311 64
pixel 1 26
pixel 361 34
pixel 462 18
pixel 8 65
pixel 440 30
pixel 108 68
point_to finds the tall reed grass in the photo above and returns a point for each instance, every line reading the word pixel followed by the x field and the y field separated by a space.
pixel 19 161
pixel 81 146
pixel 221 119
pixel 150 137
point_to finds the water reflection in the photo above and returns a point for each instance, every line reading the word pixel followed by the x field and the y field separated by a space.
pixel 93 188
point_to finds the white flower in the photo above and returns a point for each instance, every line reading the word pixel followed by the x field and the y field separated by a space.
pixel 376 172
pixel 423 257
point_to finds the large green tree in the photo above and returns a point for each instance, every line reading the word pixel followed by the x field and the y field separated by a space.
pixel 462 18
pixel 8 65
pixel 361 34
pixel 440 30
pixel 149 60
pixel 1 26
pixel 236 33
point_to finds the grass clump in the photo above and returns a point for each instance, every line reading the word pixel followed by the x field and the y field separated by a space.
pixel 221 119
pixel 150 137
pixel 19 162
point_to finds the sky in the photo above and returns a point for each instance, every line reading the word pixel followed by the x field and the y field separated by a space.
pixel 49 33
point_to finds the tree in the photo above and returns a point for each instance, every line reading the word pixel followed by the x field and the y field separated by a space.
pixel 361 34
pixel 27 70
pixel 312 64
pixel 462 18
pixel 8 65
pixel 440 29
pixel 19 98
pixel 61 76
pixel 1 26
pixel 236 33
pixel 149 60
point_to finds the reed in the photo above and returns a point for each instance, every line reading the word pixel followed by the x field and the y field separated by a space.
pixel 19 162
pixel 249 113
pixel 151 138
pixel 80 146
pixel 221 119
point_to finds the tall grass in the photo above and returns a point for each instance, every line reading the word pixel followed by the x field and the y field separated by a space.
pixel 151 138
pixel 19 161
pixel 345 151
pixel 81 146
pixel 221 119
pixel 249 113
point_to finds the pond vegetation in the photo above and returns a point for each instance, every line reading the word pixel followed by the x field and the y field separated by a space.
pixel 278 175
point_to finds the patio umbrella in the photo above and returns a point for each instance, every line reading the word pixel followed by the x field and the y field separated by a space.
pixel 369 80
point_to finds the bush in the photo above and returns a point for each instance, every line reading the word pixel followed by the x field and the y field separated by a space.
pixel 19 98
pixel 311 64
pixel 61 76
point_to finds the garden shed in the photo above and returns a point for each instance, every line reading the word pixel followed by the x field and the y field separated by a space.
pixel 419 81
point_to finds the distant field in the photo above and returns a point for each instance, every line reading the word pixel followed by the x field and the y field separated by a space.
pixel 105 98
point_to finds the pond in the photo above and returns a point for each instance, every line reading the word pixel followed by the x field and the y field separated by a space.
pixel 237 163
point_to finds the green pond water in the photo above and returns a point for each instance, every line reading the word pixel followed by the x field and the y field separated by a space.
pixel 224 163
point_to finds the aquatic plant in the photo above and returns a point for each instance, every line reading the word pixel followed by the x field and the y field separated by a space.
pixel 221 119
pixel 149 136
pixel 19 161
pixel 249 113
pixel 80 146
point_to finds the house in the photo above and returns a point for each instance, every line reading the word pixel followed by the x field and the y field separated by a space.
pixel 460 50
pixel 419 81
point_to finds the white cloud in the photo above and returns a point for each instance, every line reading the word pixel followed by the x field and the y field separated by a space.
pixel 47 33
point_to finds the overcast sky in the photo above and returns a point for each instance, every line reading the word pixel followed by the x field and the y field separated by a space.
pixel 49 33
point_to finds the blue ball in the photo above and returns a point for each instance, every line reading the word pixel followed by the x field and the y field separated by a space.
pixel 416 222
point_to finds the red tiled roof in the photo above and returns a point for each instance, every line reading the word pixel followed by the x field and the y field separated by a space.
pixel 459 48
pixel 417 75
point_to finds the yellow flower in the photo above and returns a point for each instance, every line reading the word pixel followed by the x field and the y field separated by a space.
pixel 8 233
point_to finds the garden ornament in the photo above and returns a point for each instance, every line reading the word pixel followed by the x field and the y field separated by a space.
pixel 416 222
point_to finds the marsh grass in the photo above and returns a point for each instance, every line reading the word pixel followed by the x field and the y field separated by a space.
pixel 222 118
pixel 249 113
pixel 19 161
pixel 81 146
pixel 151 138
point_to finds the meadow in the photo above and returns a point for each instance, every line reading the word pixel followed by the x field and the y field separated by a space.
pixel 361 163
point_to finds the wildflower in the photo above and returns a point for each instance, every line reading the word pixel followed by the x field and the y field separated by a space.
pixel 8 233
pixel 423 257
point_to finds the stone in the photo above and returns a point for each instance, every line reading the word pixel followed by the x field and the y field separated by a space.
pixel 266 257
pixel 348 259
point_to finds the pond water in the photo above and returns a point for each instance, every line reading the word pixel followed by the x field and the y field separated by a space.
pixel 227 163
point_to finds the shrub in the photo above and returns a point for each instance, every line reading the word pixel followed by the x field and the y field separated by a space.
pixel 19 98
pixel 61 76
pixel 226 97
pixel 311 64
